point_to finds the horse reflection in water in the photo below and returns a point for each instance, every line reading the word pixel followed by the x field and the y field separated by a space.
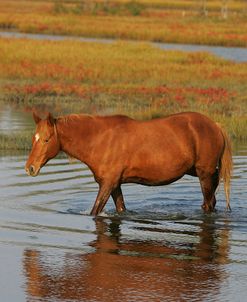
pixel 122 269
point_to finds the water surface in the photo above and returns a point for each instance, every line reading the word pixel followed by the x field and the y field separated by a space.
pixel 12 121
pixel 163 249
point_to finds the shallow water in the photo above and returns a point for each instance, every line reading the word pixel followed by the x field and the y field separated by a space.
pixel 163 249
pixel 13 120
pixel 237 54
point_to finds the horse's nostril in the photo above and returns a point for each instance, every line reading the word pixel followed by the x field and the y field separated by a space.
pixel 31 170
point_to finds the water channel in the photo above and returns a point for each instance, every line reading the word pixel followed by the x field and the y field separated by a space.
pixel 237 54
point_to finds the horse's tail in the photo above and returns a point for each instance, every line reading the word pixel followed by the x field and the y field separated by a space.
pixel 225 167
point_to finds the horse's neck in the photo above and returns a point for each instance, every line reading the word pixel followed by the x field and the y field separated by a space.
pixel 76 136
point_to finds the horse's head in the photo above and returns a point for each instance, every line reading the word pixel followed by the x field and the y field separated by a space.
pixel 45 144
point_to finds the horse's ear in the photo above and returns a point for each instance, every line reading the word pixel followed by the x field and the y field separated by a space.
pixel 50 119
pixel 36 118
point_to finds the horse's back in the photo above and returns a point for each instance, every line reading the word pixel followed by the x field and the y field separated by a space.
pixel 196 128
pixel 191 130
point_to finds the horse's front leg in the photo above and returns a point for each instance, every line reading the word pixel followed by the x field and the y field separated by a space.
pixel 117 196
pixel 104 193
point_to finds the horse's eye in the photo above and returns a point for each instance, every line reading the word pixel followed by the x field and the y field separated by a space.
pixel 46 140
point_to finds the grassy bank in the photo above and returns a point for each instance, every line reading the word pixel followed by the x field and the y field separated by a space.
pixel 163 21
pixel 16 141
pixel 127 78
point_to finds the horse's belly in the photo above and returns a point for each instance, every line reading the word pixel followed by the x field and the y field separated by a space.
pixel 159 164
pixel 153 175
pixel 149 181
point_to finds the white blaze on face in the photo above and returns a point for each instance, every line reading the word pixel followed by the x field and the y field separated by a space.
pixel 37 137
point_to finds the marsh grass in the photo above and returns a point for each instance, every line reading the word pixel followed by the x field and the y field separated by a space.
pixel 235 125
pixel 136 79
pixel 16 141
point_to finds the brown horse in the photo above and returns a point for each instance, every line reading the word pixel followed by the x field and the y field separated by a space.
pixel 120 150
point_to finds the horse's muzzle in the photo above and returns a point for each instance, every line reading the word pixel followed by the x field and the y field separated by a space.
pixel 32 171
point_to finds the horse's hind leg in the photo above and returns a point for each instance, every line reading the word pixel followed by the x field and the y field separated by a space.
pixel 209 183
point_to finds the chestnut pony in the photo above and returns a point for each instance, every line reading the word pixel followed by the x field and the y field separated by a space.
pixel 118 150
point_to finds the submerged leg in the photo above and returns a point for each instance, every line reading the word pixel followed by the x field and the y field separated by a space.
pixel 117 196
pixel 209 183
pixel 104 193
